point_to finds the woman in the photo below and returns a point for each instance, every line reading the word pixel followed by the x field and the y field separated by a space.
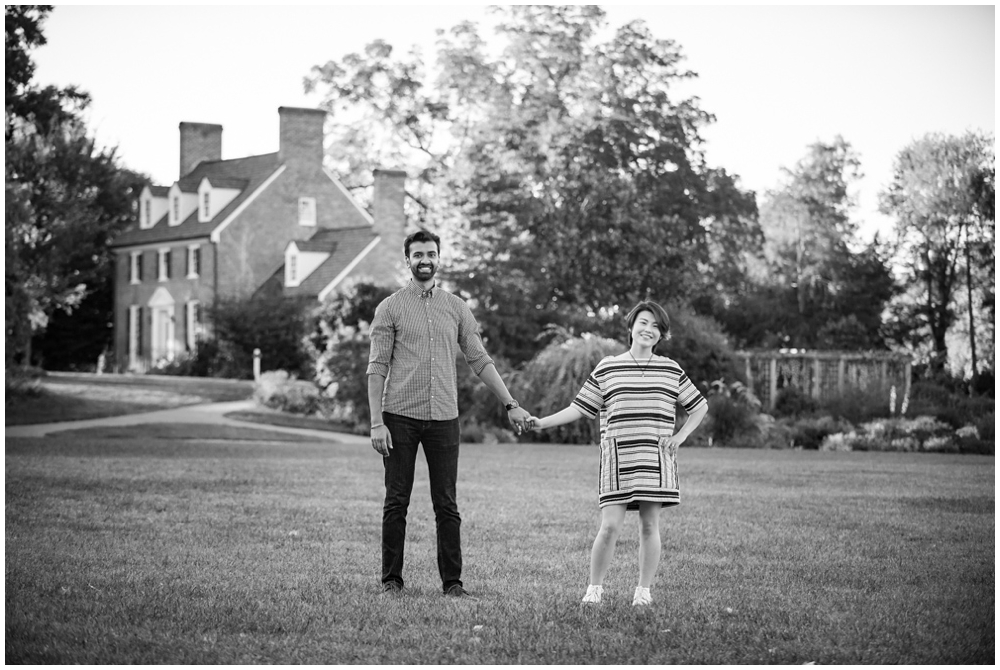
pixel 636 394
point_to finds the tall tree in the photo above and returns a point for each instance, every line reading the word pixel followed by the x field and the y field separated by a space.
pixel 824 288
pixel 573 177
pixel 941 196
pixel 66 199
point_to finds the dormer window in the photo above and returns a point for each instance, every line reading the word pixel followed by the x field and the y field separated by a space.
pixel 177 209
pixel 214 195
pixel 307 211
pixel 293 270
pixel 153 204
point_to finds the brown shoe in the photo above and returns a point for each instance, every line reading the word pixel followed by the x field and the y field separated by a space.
pixel 456 591
pixel 392 589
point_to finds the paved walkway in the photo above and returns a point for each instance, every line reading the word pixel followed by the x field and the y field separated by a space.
pixel 212 413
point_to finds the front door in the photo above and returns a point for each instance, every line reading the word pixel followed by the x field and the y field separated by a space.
pixel 164 347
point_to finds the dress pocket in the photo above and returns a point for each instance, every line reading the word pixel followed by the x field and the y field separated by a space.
pixel 668 464
pixel 609 467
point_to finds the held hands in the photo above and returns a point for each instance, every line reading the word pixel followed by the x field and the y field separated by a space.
pixel 519 417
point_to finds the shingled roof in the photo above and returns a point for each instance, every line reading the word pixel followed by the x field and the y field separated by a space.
pixel 252 171
pixel 343 244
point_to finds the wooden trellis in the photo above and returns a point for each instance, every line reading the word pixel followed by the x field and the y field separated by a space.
pixel 823 374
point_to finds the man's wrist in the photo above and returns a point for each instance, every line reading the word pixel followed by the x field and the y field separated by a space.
pixel 513 404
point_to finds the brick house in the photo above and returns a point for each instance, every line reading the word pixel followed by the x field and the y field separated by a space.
pixel 233 227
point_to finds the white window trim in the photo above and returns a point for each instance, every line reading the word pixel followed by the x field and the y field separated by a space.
pixel 291 271
pixel 193 273
pixel 191 326
pixel 161 265
pixel 310 204
pixel 133 267
pixel 133 332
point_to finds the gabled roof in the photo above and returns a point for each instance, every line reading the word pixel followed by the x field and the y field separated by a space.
pixel 159 191
pixel 253 170
pixel 226 182
pixel 322 241
pixel 343 245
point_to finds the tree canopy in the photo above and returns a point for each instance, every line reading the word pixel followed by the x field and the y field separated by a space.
pixel 942 196
pixel 567 172
pixel 65 200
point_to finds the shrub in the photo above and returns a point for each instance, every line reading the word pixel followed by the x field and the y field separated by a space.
pixel 809 432
pixel 700 345
pixel 477 404
pixel 731 422
pixel 338 347
pixel 923 433
pixel 552 379
pixel 954 407
pixel 793 401
pixel 860 405
pixel 279 390
pixel 270 322
pixel 22 381
pixel 474 432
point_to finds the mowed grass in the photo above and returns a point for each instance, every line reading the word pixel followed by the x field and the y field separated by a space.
pixel 76 396
pixel 219 545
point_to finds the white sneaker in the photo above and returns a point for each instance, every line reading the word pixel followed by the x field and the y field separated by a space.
pixel 593 594
pixel 642 596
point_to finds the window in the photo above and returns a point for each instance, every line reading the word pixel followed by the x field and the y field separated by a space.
pixel 134 332
pixel 192 324
pixel 307 211
pixel 164 264
pixel 207 206
pixel 135 268
pixel 177 209
pixel 148 212
pixel 194 261
pixel 293 274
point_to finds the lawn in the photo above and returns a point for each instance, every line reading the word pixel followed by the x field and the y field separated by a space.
pixel 72 397
pixel 218 545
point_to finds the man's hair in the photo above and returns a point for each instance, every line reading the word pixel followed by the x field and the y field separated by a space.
pixel 420 236
pixel 659 315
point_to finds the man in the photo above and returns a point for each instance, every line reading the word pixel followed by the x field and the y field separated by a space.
pixel 413 396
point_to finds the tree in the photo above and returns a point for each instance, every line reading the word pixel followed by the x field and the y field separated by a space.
pixel 66 200
pixel 817 286
pixel 942 195
pixel 567 172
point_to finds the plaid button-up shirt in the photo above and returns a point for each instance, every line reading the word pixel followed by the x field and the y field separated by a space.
pixel 414 337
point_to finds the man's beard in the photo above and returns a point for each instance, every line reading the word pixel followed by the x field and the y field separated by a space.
pixel 423 276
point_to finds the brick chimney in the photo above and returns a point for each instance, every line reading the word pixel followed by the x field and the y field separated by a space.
pixel 301 136
pixel 199 142
pixel 389 221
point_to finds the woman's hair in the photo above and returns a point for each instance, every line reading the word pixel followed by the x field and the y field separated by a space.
pixel 420 236
pixel 659 315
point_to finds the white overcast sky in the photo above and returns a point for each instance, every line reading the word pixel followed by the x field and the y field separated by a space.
pixel 778 78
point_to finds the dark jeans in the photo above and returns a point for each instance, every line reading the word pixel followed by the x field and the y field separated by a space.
pixel 440 441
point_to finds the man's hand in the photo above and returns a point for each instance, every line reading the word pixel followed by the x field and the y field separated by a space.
pixel 381 440
pixel 519 417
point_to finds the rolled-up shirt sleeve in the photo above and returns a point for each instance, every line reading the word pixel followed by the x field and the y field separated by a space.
pixel 470 341
pixel 383 336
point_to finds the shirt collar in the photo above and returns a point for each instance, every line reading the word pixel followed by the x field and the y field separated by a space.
pixel 415 288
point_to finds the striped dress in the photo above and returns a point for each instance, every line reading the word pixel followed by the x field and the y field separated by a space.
pixel 637 414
